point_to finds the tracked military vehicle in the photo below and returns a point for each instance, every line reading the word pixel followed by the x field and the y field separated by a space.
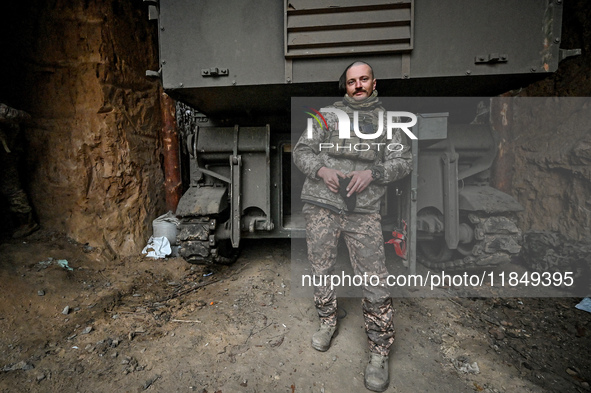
pixel 233 68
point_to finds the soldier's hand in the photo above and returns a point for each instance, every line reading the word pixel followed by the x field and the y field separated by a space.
pixel 359 181
pixel 331 177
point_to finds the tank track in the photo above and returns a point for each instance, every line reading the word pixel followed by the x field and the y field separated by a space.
pixel 198 245
pixel 496 240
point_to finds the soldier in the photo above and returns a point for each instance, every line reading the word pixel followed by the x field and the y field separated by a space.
pixel 10 185
pixel 342 194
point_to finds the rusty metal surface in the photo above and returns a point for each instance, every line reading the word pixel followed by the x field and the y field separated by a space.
pixel 170 142
pixel 502 121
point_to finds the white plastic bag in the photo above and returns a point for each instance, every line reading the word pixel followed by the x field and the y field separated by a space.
pixel 158 247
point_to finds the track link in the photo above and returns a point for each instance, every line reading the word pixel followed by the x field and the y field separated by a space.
pixel 198 245
pixel 496 240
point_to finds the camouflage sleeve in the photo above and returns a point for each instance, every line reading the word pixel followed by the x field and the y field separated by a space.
pixel 4 142
pixel 11 115
pixel 397 161
pixel 306 153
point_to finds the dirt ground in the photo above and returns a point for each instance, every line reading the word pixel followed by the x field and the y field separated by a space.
pixel 167 326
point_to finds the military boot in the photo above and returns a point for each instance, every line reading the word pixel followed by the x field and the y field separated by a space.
pixel 26 225
pixel 376 373
pixel 323 336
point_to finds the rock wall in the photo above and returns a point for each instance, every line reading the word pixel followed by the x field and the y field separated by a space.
pixel 545 159
pixel 553 164
pixel 93 148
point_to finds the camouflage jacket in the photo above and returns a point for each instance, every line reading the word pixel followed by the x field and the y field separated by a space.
pixel 9 119
pixel 391 157
pixel 11 115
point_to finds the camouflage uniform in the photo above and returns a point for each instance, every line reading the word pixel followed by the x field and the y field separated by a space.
pixel 327 217
pixel 10 184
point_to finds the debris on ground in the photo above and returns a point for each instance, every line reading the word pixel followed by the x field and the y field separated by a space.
pixel 141 325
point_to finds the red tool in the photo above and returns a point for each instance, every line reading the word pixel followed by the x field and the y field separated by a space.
pixel 399 241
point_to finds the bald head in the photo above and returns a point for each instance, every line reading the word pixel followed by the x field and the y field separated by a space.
pixel 358 80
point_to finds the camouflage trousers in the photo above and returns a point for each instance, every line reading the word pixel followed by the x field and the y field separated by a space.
pixel 363 236
pixel 10 184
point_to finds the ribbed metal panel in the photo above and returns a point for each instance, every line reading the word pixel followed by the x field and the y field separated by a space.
pixel 325 28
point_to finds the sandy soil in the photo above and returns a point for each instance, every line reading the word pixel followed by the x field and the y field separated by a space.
pixel 167 326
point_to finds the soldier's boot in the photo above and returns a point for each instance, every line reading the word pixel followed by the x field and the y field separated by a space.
pixel 323 336
pixel 26 225
pixel 376 373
